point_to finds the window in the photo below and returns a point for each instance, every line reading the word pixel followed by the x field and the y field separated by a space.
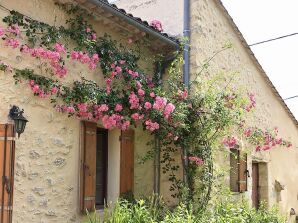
pixel 238 171
pixel 101 167
pixel 94 165
pixel 93 176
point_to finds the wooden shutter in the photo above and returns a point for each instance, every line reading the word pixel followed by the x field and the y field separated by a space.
pixel 7 159
pixel 242 172
pixel 238 171
pixel 88 166
pixel 127 162
pixel 234 170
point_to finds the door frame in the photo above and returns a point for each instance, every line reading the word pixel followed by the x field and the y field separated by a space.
pixel 255 176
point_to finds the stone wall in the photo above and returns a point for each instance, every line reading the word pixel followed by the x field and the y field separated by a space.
pixel 211 29
pixel 47 153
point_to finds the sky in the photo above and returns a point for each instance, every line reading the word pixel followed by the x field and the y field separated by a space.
pixel 267 19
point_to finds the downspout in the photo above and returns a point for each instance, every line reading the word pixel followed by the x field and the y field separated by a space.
pixel 186 57
pixel 160 69
pixel 156 187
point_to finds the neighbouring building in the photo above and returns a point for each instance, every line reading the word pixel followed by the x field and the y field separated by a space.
pixel 271 176
pixel 54 170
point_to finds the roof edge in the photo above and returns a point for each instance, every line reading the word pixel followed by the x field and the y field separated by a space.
pixel 173 42
pixel 255 60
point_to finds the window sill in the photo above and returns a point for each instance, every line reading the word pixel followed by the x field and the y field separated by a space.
pixel 238 193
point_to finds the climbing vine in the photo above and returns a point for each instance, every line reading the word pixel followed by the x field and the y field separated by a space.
pixel 197 120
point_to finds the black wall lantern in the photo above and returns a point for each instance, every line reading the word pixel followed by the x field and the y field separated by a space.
pixel 19 120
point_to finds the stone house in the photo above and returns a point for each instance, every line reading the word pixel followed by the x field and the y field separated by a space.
pixel 54 170
pixel 272 175
pixel 51 166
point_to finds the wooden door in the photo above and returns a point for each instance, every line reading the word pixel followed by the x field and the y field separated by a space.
pixel 255 185
pixel 7 155
pixel 127 162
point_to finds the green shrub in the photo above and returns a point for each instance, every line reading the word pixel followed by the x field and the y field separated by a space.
pixel 240 212
pixel 224 211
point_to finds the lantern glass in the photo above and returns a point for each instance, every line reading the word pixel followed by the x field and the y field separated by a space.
pixel 20 126
pixel 20 121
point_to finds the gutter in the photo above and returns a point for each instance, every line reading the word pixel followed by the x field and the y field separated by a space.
pixel 136 23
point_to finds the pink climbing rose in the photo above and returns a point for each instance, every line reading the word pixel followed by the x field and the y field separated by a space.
pixel 196 160
pixel 230 142
pixel 2 31
pixel 147 105
pixel 159 103
pixel 55 90
pixel 169 109
pixel 134 101
pixel 151 126
pixel 118 108
pixel 59 48
pixel 156 24
pixel 141 92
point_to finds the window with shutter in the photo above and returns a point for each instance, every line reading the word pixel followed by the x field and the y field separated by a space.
pixel 94 161
pixel 238 171
pixel 7 159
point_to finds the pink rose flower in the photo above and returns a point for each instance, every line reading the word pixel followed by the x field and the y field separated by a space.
pixel 36 88
pixel 151 126
pixel 59 48
pixel 55 90
pixel 118 69
pixel 147 105
pixel 93 36
pixel 152 95
pixel 156 25
pixel 134 101
pixel 70 109
pixel 74 55
pixel 248 132
pixel 135 116
pixel 2 31
pixel 118 108
pixel 141 92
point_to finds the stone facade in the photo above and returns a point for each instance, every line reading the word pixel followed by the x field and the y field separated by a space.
pixel 211 29
pixel 47 153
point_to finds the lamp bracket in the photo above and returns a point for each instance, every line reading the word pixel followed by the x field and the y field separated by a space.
pixel 15 112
